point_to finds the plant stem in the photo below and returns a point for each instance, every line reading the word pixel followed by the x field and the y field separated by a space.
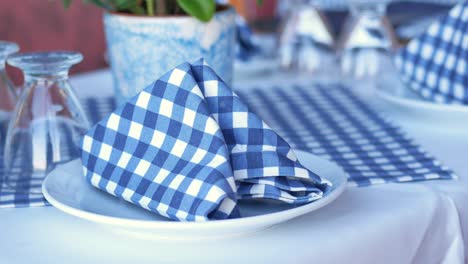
pixel 150 7
pixel 161 9
pixel 177 9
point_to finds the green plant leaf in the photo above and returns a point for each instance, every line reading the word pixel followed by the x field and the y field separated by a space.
pixel 137 10
pixel 66 3
pixel 201 9
pixel 102 4
pixel 124 4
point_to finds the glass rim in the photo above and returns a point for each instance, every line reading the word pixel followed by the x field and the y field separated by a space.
pixel 8 47
pixel 44 60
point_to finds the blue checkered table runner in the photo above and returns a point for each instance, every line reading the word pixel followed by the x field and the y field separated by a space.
pixel 328 120
pixel 334 123
pixel 344 4
pixel 96 109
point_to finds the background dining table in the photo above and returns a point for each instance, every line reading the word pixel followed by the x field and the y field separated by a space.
pixel 419 222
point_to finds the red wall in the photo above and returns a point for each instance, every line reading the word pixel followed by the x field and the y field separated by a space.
pixel 45 25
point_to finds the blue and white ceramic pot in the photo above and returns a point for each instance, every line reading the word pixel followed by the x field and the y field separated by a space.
pixel 141 49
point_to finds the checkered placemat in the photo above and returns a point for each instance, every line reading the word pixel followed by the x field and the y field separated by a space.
pixel 96 109
pixel 334 123
pixel 345 4
pixel 327 120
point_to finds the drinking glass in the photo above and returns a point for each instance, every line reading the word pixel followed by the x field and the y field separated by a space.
pixel 306 41
pixel 48 122
pixel 368 40
pixel 7 89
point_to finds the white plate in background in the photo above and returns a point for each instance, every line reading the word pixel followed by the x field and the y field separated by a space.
pixel 408 103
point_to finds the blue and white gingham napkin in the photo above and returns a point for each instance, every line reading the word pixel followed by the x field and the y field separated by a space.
pixel 435 64
pixel 188 148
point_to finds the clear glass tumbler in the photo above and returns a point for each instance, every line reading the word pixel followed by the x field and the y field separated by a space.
pixel 368 40
pixel 48 121
pixel 8 94
pixel 306 42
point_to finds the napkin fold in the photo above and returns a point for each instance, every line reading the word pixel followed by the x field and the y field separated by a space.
pixel 435 63
pixel 188 148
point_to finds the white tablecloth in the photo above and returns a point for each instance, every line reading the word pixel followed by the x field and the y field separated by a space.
pixel 391 223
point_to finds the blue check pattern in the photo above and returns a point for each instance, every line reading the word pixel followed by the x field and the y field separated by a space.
pixel 188 148
pixel 246 48
pixel 13 199
pixel 330 121
pixel 334 123
pixel 435 65
pixel 10 197
pixel 344 4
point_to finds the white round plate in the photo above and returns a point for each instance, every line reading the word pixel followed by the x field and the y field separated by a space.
pixel 66 189
pixel 410 103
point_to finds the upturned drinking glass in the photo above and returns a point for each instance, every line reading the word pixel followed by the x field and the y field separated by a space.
pixel 306 41
pixel 48 122
pixel 8 93
pixel 367 41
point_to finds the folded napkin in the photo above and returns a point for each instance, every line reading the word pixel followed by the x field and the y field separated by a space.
pixel 188 148
pixel 436 63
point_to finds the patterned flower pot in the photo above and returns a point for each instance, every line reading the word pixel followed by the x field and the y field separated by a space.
pixel 142 48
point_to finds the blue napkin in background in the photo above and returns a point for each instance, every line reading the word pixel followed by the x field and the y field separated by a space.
pixel 188 148
pixel 435 64
pixel 246 48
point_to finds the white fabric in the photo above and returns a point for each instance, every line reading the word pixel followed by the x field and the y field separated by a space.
pixel 391 223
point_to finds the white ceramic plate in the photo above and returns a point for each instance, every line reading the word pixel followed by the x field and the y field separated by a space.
pixel 410 103
pixel 66 189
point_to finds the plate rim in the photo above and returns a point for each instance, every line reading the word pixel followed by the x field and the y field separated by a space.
pixel 274 218
pixel 420 104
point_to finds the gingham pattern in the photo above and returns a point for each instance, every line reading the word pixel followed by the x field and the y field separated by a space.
pixel 96 109
pixel 344 4
pixel 435 64
pixel 11 198
pixel 328 120
pixel 246 48
pixel 188 148
pixel 334 123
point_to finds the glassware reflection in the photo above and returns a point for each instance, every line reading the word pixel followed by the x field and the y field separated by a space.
pixel 8 93
pixel 306 40
pixel 48 121
pixel 368 40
